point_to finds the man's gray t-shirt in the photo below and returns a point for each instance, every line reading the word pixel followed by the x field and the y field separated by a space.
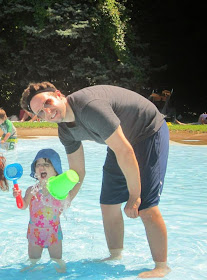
pixel 99 110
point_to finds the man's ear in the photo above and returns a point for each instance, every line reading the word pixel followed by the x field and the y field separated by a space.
pixel 58 93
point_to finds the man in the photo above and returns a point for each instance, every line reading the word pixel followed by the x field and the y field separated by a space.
pixel 138 141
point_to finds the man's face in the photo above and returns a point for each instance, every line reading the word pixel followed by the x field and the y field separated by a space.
pixel 49 108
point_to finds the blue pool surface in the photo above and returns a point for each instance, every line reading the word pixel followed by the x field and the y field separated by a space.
pixel 183 205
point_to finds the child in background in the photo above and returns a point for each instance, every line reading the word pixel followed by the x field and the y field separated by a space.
pixel 44 229
pixel 9 137
pixel 4 186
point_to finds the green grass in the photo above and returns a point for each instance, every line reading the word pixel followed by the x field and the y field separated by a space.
pixel 172 127
pixel 34 124
pixel 188 127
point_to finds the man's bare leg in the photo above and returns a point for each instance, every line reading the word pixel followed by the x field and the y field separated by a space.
pixel 157 237
pixel 114 230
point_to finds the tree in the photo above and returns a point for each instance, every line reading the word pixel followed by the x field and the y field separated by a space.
pixel 68 43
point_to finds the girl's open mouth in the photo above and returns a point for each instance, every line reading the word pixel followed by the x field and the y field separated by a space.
pixel 43 175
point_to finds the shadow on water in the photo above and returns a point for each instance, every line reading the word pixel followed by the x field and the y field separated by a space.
pixel 82 270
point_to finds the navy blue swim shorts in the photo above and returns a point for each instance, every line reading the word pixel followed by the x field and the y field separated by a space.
pixel 152 156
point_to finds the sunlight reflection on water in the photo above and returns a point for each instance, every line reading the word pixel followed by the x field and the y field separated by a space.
pixel 183 204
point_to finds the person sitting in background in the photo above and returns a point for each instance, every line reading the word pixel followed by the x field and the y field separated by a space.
pixel 4 186
pixel 201 120
pixel 24 115
pixel 9 137
pixel 159 99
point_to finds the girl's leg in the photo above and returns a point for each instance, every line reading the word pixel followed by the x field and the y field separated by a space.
pixel 34 252
pixel 55 252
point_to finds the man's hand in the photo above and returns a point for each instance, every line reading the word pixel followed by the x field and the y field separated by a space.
pixel 131 207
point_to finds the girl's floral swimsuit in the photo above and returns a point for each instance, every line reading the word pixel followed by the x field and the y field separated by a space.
pixel 44 226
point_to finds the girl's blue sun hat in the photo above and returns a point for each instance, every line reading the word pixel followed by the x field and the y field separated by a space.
pixel 52 156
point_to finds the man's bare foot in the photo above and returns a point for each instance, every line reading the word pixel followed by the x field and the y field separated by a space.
pixel 161 269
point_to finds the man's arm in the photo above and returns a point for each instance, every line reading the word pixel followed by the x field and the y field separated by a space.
pixel 76 162
pixel 128 163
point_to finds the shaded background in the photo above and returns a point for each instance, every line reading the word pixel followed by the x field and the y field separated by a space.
pixel 175 32
pixel 142 45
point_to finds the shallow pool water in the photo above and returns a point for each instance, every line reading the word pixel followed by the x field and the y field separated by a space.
pixel 183 205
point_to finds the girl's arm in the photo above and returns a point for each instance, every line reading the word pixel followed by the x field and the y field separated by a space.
pixel 27 198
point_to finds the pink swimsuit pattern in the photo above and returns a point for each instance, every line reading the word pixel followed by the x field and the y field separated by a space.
pixel 44 226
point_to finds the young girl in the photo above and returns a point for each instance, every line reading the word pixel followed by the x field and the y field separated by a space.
pixel 4 186
pixel 44 229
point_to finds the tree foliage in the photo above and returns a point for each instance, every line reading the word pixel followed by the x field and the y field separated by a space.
pixel 69 43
